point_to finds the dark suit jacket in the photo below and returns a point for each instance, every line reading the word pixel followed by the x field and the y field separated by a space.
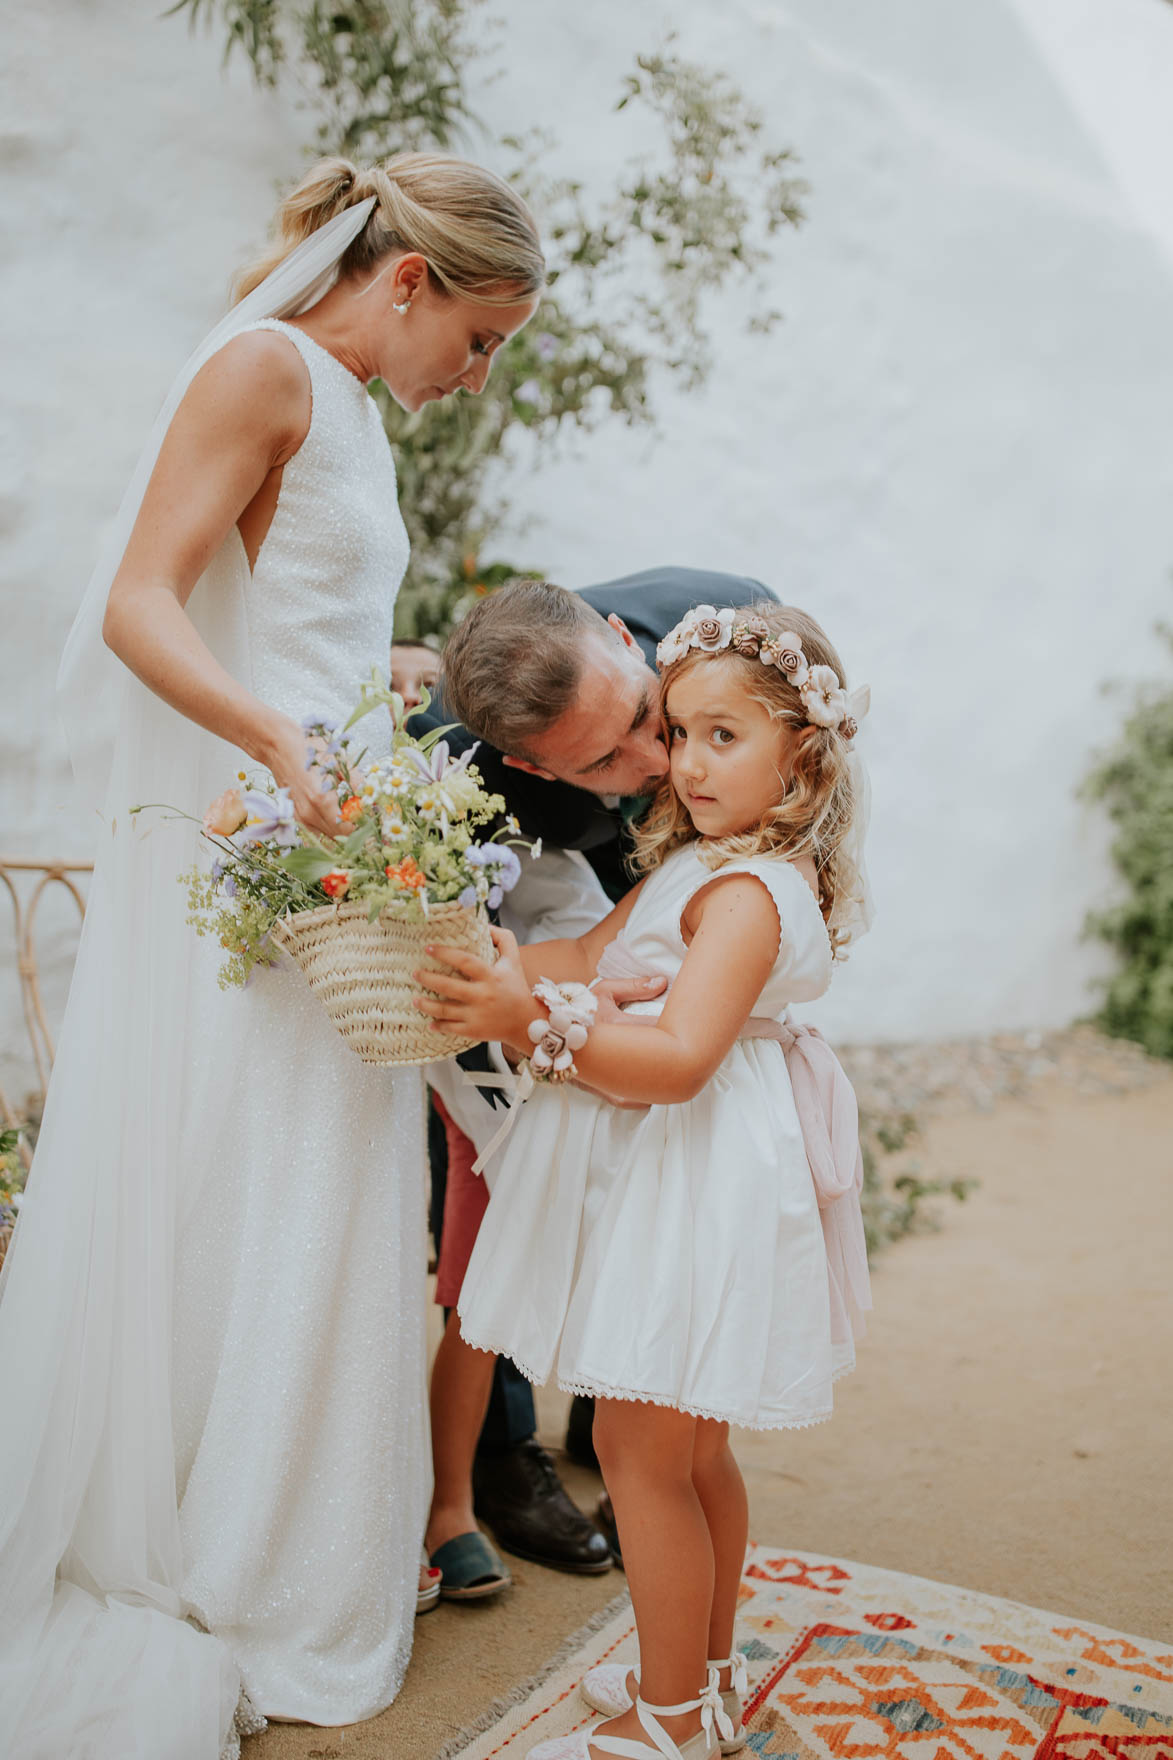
pixel 650 604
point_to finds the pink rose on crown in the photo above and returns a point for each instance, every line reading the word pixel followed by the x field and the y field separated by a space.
pixel 788 648
pixel 713 629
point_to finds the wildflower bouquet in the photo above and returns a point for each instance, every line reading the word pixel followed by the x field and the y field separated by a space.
pixel 417 864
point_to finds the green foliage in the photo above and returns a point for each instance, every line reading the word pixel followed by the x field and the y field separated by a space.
pixel 241 928
pixel 1134 781
pixel 894 1204
pixel 629 276
pixel 12 1175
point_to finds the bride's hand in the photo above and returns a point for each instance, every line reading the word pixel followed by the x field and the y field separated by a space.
pixel 314 807
pixel 474 1000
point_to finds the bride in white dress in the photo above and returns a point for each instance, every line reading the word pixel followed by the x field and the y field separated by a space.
pixel 212 1370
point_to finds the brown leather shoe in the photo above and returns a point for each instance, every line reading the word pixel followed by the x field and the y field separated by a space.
pixel 518 1494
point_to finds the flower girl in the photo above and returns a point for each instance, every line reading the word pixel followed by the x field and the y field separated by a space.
pixel 693 1257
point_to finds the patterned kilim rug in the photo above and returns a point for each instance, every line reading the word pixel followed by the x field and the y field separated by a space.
pixel 851 1662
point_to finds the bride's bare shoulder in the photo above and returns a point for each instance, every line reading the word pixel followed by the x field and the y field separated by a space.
pixel 258 379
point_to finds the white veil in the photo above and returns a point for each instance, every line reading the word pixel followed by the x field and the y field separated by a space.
pixel 96 1659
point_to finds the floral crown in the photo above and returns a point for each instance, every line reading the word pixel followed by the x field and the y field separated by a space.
pixel 824 700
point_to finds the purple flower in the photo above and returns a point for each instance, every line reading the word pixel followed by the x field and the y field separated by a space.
pixel 229 886
pixel 434 766
pixel 499 862
pixel 319 724
pixel 509 870
pixel 494 898
pixel 217 868
pixel 273 818
pixel 468 897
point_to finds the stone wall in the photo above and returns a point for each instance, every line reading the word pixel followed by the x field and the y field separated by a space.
pixel 954 450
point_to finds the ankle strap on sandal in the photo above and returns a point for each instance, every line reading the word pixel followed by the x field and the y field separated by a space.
pixel 740 1681
pixel 708 1704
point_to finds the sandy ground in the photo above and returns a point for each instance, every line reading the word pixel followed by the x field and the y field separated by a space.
pixel 1009 1426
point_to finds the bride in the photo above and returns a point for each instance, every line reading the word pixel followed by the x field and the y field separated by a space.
pixel 214 1458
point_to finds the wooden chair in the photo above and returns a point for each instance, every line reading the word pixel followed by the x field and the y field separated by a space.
pixel 26 883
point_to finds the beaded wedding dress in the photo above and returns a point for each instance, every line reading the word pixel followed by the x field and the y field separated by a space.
pixel 212 1355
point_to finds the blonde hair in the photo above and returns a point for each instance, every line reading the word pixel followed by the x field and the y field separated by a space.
pixel 815 811
pixel 479 238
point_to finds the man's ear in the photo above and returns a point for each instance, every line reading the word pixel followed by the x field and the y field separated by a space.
pixel 622 631
pixel 530 769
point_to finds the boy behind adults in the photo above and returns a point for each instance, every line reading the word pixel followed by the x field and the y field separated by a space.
pixel 415 667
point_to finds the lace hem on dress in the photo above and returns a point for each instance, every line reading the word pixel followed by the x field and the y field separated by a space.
pixel 591 1389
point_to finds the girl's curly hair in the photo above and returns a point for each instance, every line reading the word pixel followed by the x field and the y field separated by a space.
pixel 816 808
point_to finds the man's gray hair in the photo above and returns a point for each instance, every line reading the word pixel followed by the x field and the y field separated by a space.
pixel 511 669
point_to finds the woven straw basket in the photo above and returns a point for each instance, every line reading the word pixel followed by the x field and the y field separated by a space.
pixel 361 973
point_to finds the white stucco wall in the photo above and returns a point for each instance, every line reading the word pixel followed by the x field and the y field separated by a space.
pixel 954 451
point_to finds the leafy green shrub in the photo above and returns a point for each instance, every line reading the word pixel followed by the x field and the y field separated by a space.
pixel 1134 781
pixel 629 275
pixel 894 1205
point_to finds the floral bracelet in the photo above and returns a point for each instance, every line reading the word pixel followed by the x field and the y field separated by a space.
pixel 558 1035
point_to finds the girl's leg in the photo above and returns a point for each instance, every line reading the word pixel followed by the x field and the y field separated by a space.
pixel 720 1491
pixel 647 1454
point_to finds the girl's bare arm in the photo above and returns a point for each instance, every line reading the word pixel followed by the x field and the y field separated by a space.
pixel 733 949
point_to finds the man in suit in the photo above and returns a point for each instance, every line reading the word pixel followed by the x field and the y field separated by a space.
pixel 561 691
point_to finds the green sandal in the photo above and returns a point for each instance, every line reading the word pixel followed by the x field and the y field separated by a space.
pixel 471 1569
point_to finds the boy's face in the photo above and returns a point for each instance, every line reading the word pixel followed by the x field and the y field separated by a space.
pixel 412 667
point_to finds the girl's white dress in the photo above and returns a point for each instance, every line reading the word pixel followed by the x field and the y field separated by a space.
pixel 683 1254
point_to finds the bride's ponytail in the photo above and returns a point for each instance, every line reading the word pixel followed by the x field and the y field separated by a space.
pixel 326 189
pixel 478 236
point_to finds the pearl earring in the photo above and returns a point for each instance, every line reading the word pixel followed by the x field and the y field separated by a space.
pixel 402 308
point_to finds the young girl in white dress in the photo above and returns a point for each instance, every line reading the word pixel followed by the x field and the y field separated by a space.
pixel 692 1254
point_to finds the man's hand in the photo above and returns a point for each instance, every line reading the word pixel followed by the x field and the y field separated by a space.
pixel 614 992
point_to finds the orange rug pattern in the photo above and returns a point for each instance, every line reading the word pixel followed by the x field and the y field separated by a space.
pixel 847 1662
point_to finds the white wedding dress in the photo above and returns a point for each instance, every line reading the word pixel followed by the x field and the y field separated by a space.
pixel 212 1351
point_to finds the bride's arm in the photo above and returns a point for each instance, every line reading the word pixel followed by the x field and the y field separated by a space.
pixel 244 415
pixel 729 959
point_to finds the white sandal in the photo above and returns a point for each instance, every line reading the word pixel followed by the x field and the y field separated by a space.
pixel 605 1689
pixel 702 1746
